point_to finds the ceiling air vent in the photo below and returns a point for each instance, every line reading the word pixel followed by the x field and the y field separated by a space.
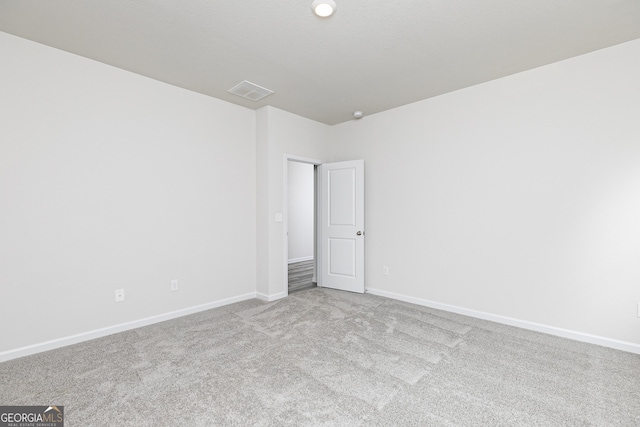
pixel 250 91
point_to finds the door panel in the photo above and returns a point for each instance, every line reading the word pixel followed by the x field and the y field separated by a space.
pixel 341 257
pixel 341 197
pixel 342 226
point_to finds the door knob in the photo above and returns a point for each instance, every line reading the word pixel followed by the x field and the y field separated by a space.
pixel 359 233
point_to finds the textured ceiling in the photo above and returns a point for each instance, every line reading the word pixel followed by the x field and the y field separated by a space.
pixel 372 55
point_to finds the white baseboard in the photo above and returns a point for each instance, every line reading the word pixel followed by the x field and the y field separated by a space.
pixel 109 330
pixel 305 258
pixel 269 298
pixel 538 327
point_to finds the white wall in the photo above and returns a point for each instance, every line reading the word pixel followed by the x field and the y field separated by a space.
pixel 300 178
pixel 279 133
pixel 518 197
pixel 111 180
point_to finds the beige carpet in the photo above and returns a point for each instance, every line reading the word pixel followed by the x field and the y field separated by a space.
pixel 324 357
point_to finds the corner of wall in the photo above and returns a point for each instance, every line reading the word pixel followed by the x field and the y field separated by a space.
pixel 262 201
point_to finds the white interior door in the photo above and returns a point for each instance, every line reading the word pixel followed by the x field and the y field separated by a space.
pixel 342 226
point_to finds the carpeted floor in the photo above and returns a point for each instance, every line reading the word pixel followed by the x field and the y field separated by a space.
pixel 323 357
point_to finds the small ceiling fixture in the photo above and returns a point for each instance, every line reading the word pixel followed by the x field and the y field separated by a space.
pixel 324 8
pixel 358 114
pixel 249 90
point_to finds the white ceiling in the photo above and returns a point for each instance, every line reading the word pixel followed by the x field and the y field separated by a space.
pixel 372 55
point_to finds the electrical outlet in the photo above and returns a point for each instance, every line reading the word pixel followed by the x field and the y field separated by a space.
pixel 385 270
pixel 119 295
pixel 174 285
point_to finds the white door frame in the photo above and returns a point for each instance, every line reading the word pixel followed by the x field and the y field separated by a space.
pixel 316 253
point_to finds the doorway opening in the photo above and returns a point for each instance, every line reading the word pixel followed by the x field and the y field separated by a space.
pixel 301 225
pixel 335 200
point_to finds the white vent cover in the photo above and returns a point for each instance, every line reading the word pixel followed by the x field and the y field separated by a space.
pixel 250 91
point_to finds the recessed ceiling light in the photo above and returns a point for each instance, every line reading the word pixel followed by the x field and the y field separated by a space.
pixel 324 8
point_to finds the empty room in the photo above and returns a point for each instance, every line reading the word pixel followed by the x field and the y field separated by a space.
pixel 471 244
